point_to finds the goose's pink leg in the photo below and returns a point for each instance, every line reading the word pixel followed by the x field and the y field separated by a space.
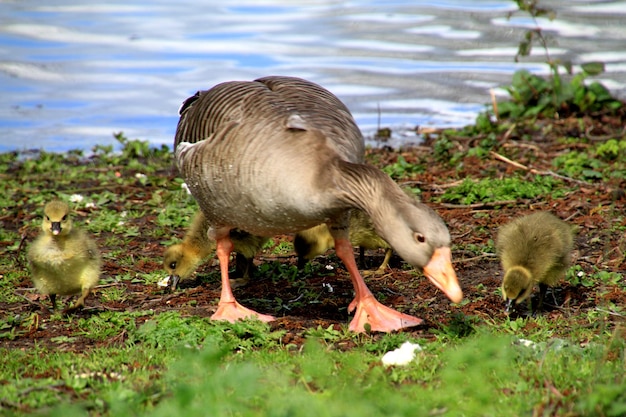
pixel 368 310
pixel 228 308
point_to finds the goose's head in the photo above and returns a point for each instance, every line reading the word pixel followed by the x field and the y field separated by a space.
pixel 422 239
pixel 56 218
pixel 180 263
pixel 517 286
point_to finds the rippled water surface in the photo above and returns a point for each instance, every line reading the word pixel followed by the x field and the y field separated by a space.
pixel 74 72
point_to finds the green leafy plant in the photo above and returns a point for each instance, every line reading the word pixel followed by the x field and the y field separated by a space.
pixel 556 96
pixel 494 190
pixel 402 169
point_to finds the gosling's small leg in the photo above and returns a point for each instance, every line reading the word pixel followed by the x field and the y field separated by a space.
pixel 244 267
pixel 362 258
pixel 542 294
pixel 80 303
pixel 383 267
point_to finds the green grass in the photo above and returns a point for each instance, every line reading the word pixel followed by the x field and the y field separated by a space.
pixel 511 188
pixel 188 366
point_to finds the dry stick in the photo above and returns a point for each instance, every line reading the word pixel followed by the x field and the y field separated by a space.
pixel 536 171
pixel 487 204
pixel 494 103
pixel 31 302
pixel 431 186
pixel 475 258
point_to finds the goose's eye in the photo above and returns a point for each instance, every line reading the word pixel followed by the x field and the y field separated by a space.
pixel 420 238
pixel 173 265
pixel 64 218
pixel 47 218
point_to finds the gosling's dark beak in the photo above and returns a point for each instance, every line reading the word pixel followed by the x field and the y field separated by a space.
pixel 509 304
pixel 55 228
pixel 174 279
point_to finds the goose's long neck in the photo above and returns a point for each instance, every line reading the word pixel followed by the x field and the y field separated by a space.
pixel 371 190
pixel 397 218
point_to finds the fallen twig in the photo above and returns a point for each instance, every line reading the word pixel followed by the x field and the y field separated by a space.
pixel 487 204
pixel 474 258
pixel 536 171
pixel 612 313
pixel 31 302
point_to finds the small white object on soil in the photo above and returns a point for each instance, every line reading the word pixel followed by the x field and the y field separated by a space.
pixel 164 282
pixel 401 356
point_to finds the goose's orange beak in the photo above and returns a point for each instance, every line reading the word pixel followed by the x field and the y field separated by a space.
pixel 441 273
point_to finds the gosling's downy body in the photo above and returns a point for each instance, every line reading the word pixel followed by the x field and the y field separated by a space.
pixel 533 249
pixel 63 259
pixel 315 241
pixel 182 259
pixel 280 155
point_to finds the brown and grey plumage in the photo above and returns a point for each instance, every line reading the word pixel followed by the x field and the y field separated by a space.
pixel 182 259
pixel 63 259
pixel 533 249
pixel 315 241
pixel 281 154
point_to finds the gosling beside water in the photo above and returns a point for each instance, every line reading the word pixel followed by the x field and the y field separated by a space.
pixel 533 249
pixel 63 259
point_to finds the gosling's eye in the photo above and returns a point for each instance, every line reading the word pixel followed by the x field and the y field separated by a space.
pixel 47 218
pixel 64 218
pixel 173 265
pixel 420 238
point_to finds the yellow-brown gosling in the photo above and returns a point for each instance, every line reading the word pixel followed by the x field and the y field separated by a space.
pixel 315 241
pixel 281 154
pixel 533 249
pixel 182 259
pixel 63 259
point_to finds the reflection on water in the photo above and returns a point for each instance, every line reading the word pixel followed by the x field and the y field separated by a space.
pixel 73 72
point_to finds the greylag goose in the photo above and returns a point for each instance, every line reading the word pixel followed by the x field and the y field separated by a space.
pixel 182 259
pixel 533 249
pixel 315 241
pixel 63 259
pixel 281 154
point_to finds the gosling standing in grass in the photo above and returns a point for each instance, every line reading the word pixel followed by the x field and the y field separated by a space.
pixel 182 259
pixel 315 241
pixel 63 260
pixel 533 249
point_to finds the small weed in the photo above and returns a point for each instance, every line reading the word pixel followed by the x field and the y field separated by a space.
pixel 115 293
pixel 460 326
pixel 328 334
pixel 577 276
pixel 402 169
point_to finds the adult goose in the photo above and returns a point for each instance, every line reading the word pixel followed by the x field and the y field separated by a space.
pixel 281 154
pixel 533 249
pixel 63 259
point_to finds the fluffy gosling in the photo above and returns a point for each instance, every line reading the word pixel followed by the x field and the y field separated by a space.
pixel 315 241
pixel 533 249
pixel 181 260
pixel 63 260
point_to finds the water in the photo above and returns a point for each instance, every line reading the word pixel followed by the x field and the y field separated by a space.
pixel 74 72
